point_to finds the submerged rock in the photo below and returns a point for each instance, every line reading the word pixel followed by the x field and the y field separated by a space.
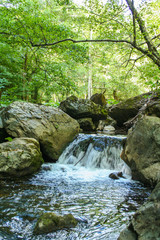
pixel 142 150
pixel 50 222
pixel 116 175
pixel 19 157
pixel 146 221
pixel 53 128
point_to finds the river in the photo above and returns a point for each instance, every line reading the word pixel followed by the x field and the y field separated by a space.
pixel 78 183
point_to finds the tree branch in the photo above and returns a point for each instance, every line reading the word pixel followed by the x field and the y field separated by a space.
pixel 43 33
pixel 127 61
pixel 143 30
pixel 81 41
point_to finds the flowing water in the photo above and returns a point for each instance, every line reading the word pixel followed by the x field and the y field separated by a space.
pixel 78 183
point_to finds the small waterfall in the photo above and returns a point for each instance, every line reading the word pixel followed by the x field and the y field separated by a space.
pixel 95 151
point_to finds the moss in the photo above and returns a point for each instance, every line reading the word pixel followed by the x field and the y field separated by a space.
pixel 56 126
pixel 50 222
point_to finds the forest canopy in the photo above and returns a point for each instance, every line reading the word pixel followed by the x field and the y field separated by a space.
pixel 51 49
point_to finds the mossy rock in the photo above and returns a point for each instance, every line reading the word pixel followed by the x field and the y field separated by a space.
pixel 83 108
pixel 50 222
pixel 128 109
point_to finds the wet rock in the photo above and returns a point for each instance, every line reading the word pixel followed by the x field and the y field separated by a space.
pixel 47 168
pixel 50 222
pixel 19 157
pixel 142 150
pixel 116 175
pixel 128 234
pixel 128 109
pixel 146 221
pixel 53 128
pixel 99 98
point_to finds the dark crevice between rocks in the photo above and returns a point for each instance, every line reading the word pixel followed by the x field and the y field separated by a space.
pixel 4 136
pixel 131 229
pixel 45 156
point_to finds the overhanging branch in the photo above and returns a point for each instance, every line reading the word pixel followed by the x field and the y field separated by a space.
pixel 142 50
pixel 92 41
pixel 80 41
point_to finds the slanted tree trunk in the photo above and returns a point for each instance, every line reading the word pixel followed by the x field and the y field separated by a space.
pixel 151 52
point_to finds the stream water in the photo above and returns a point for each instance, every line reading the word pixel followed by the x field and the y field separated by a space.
pixel 78 183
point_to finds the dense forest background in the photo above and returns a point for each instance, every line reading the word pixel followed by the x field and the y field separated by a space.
pixel 51 49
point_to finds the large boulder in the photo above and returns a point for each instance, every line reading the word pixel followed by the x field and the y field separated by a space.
pixel 142 150
pixel 128 109
pixel 83 108
pixel 146 221
pixel 150 108
pixel 50 222
pixel 53 128
pixel 20 157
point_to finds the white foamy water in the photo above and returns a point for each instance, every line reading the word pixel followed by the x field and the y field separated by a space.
pixel 93 151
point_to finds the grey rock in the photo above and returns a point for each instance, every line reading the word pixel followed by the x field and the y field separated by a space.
pixel 20 157
pixel 53 128
pixel 142 150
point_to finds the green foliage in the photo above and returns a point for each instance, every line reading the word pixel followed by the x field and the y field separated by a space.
pixel 51 73
pixel 9 139
pixel 36 74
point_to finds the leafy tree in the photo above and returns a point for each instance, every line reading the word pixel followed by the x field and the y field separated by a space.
pixel 40 36
pixel 43 72
pixel 150 49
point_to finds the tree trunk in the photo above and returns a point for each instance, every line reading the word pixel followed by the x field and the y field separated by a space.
pixel 35 95
pixel 152 51
pixel 90 69
pixel 24 76
pixel 0 94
